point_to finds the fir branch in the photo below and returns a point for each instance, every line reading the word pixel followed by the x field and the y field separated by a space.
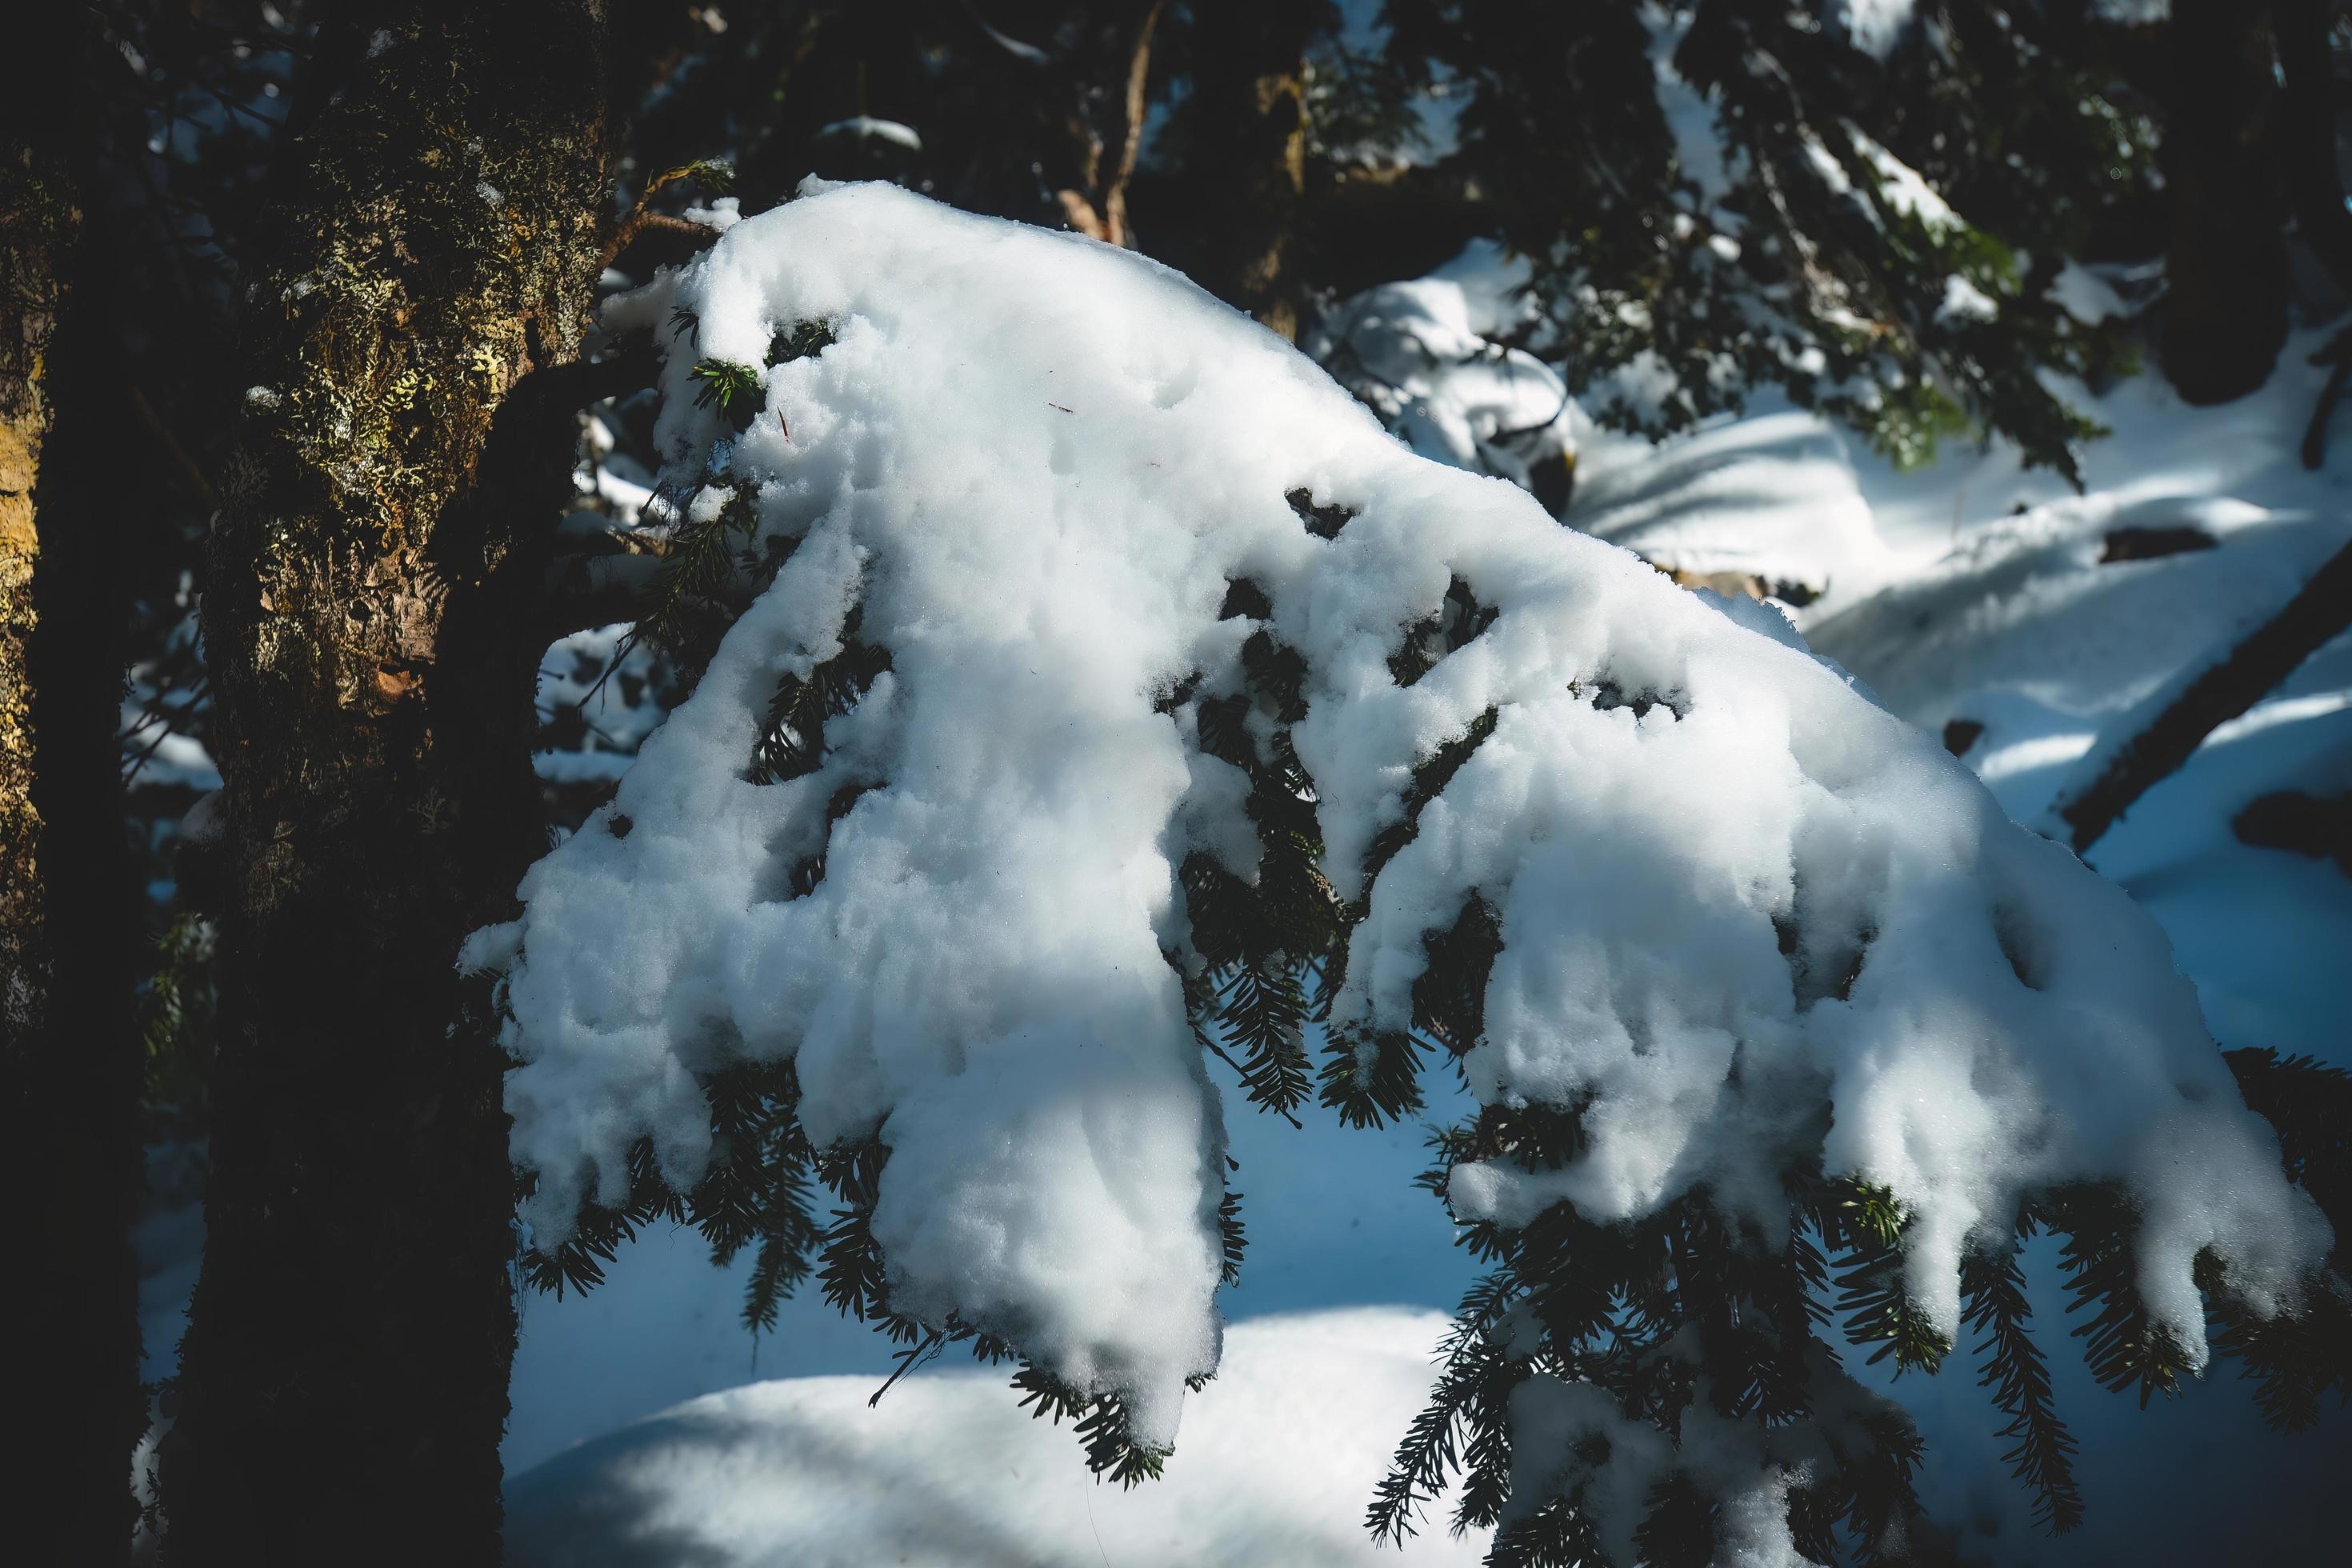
pixel 1679 1529
pixel 1872 1293
pixel 1371 1079
pixel 1263 1011
pixel 2121 1342
pixel 736 391
pixel 1486 1489
pixel 576 1263
pixel 1455 624
pixel 1882 1313
pixel 802 340
pixel 1235 1237
pixel 1429 1455
pixel 1559 1534
pixel 790 743
pixel 2043 1457
pixel 1449 998
pixel 1429 781
pixel 2309 1103
pixel 1101 1422
pixel 1882 1494
pixel 2295 1360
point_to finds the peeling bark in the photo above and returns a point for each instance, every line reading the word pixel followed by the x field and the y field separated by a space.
pixel 373 576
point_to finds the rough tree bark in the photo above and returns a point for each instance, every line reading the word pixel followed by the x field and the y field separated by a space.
pixel 2225 313
pixel 422 279
pixel 69 1059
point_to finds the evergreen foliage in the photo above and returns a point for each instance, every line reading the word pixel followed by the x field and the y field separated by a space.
pixel 1735 194
pixel 2042 1458
pixel 1685 1319
pixel 1696 1325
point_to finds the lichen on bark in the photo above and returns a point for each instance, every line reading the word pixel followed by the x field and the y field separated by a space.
pixel 38 221
pixel 384 527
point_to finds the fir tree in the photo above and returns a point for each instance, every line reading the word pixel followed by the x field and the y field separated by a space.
pixel 1737 194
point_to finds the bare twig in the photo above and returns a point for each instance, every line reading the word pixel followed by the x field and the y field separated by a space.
pixel 909 1359
pixel 2337 356
pixel 1100 211
pixel 1132 109
pixel 640 223
pixel 185 465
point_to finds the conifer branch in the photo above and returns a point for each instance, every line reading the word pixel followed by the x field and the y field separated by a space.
pixel 1992 1287
pixel 2121 1342
pixel 1872 1290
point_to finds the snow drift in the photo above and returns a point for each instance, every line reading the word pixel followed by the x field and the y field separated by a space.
pixel 1732 893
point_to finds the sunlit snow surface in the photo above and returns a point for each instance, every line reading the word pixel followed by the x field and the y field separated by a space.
pixel 1035 464
pixel 1279 1456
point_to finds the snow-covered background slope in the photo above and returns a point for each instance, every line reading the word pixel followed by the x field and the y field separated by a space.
pixel 1968 592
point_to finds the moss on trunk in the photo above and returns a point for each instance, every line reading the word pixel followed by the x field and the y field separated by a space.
pixel 429 259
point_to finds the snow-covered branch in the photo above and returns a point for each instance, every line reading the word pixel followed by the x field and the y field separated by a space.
pixel 1099 608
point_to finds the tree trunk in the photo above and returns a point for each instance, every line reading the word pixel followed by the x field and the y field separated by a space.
pixel 67 1056
pixel 430 255
pixel 2306 133
pixel 1249 163
pixel 2225 312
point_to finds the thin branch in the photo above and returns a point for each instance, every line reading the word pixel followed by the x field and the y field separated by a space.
pixel 640 223
pixel 2224 691
pixel 1133 109
pixel 590 591
pixel 185 465
pixel 2337 356
pixel 909 1359
pixel 584 383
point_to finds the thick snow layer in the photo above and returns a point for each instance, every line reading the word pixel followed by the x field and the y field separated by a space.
pixel 945 1471
pixel 1035 465
pixel 1426 356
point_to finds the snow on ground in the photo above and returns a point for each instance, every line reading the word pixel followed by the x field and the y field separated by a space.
pixel 1334 1222
pixel 1771 497
pixel 1970 591
pixel 2011 619
pixel 1280 1454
